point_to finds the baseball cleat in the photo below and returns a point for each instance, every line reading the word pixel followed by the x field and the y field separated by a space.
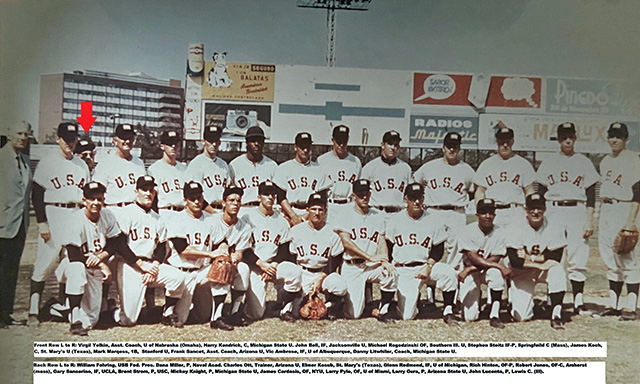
pixel 220 324
pixel 628 315
pixel 581 310
pixel 288 317
pixel 385 318
pixel 237 320
pixel 172 321
pixel 78 330
pixel 450 320
pixel 32 320
pixel 556 323
pixel 607 312
pixel 496 323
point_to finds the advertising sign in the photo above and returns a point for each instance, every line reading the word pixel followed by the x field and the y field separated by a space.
pixel 429 130
pixel 515 92
pixel 237 118
pixel 192 92
pixel 583 96
pixel 238 81
pixel 441 89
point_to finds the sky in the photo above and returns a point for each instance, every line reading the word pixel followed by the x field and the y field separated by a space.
pixel 568 38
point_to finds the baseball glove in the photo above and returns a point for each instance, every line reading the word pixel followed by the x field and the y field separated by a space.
pixel 222 270
pixel 314 309
pixel 625 241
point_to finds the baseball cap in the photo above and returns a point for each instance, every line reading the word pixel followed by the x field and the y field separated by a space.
pixel 316 199
pixel 303 140
pixel 566 130
pixel 267 188
pixel 145 182
pixel 232 190
pixel 254 132
pixel 361 186
pixel 619 130
pixel 125 131
pixel 84 145
pixel 192 189
pixel 414 190
pixel 452 140
pixel 93 188
pixel 504 133
pixel 212 133
pixel 340 134
pixel 486 206
pixel 169 137
pixel 68 131
pixel 391 137
pixel 535 200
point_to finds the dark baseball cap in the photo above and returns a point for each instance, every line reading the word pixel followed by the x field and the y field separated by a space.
pixel 169 137
pixel 68 131
pixel 145 182
pixel 486 206
pixel 535 200
pixel 253 133
pixel 93 188
pixel 232 190
pixel 317 199
pixel 212 133
pixel 267 188
pixel 414 190
pixel 504 133
pixel 192 189
pixel 566 130
pixel 125 131
pixel 303 140
pixel 391 137
pixel 340 134
pixel 84 145
pixel 619 130
pixel 361 186
pixel 452 140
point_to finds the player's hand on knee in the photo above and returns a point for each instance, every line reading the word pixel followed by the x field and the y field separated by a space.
pixel 588 230
pixel 506 272
pixel 424 273
pixel 148 267
pixel 106 272
pixel 148 278
pixel 43 229
pixel 93 261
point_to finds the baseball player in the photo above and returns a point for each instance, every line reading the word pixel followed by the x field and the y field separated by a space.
pixel 569 180
pixel 342 167
pixel 417 246
pixel 86 150
pixel 366 257
pixel 317 248
pixel 505 178
pixel 534 256
pixel 253 168
pixel 298 178
pixel 388 175
pixel 482 245
pixel 620 202
pixel 56 193
pixel 146 236
pixel 209 170
pixel 270 249
pixel 170 176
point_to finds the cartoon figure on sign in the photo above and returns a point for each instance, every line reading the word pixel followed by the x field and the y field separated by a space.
pixel 518 88
pixel 218 76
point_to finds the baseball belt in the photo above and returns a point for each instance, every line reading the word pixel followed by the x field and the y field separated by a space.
pixel 65 205
pixel 411 264
pixel 188 269
pixel 123 204
pixel 176 208
pixel 355 261
pixel 510 205
pixel 388 208
pixel 312 270
pixel 447 207
pixel 299 205
pixel 251 204
pixel 567 203
pixel 607 200
pixel 339 201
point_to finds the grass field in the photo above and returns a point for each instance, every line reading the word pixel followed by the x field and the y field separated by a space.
pixel 623 365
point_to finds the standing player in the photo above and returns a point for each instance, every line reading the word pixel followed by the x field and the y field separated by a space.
pixel 620 196
pixel 210 170
pixel 342 167
pixel 57 192
pixel 388 175
pixel 299 178
pixel 146 236
pixel 417 246
pixel 86 150
pixel 170 176
pixel 535 255
pixel 482 246
pixel 570 180
pixel 505 178
pixel 366 258
pixel 253 168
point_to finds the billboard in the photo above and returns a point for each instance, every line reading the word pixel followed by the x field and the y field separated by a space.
pixel 235 118
pixel 586 96
pixel 429 130
pixel 515 92
pixel 441 89
pixel 238 81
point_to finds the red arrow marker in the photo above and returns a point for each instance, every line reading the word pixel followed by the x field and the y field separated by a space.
pixel 85 119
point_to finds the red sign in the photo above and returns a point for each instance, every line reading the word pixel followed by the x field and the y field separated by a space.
pixel 514 92
pixel 441 89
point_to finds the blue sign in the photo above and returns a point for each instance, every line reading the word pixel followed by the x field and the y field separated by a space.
pixel 580 96
pixel 430 130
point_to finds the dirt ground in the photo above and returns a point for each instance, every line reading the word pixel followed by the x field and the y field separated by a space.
pixel 623 338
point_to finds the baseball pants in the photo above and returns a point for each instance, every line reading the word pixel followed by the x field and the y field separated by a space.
pixel 621 268
pixel 356 276
pixel 409 286
pixel 572 220
pixel 288 277
pixel 523 284
pixel 453 221
pixel 84 281
pixel 470 290
pixel 48 254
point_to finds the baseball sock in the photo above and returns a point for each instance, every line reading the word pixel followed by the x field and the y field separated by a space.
pixel 62 296
pixel 74 303
pixel 615 288
pixel 495 303
pixel 368 292
pixel 150 297
pixel 37 287
pixel 218 303
pixel 448 297
pixel 169 304
pixel 556 304
pixel 578 288
pixel 236 300
pixel 632 291
pixel 286 298
pixel 385 301
pixel 431 289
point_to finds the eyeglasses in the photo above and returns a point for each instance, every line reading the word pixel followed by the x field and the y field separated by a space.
pixel 84 155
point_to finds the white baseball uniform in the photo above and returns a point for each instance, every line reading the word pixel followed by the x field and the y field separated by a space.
pixel 566 179
pixel 387 182
pixel 365 231
pixel 342 172
pixel 119 176
pixel 505 181
pixel 618 175
pixel 248 175
pixel 300 181
pixel 213 174
pixel 144 230
pixel 170 180
pixel 493 244
pixel 548 237
pixel 412 241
